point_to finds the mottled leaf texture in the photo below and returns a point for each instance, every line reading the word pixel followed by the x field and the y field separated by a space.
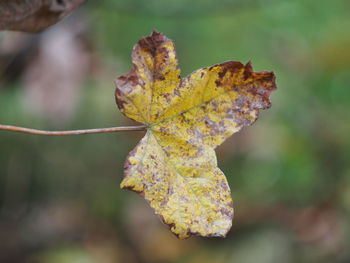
pixel 174 166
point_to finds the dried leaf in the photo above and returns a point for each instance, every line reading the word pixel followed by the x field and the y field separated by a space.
pixel 34 15
pixel 174 166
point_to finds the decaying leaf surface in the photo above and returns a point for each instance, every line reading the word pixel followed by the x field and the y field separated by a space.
pixel 174 166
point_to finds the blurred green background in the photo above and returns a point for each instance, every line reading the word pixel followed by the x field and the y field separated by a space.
pixel 289 173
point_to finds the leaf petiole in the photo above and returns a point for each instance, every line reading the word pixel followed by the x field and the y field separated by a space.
pixel 72 132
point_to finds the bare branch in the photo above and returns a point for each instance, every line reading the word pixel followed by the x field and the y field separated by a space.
pixel 73 132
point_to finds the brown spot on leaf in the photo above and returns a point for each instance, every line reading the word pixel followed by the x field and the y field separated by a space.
pixel 118 98
pixel 151 43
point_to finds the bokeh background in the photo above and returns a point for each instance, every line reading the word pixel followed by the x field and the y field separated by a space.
pixel 289 173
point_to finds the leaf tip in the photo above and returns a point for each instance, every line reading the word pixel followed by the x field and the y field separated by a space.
pixel 155 32
pixel 152 42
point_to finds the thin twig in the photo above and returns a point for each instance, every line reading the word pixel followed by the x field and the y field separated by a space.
pixel 73 132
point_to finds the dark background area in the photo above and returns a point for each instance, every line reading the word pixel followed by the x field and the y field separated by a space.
pixel 289 173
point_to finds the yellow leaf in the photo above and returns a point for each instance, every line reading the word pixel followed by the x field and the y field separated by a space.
pixel 174 166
